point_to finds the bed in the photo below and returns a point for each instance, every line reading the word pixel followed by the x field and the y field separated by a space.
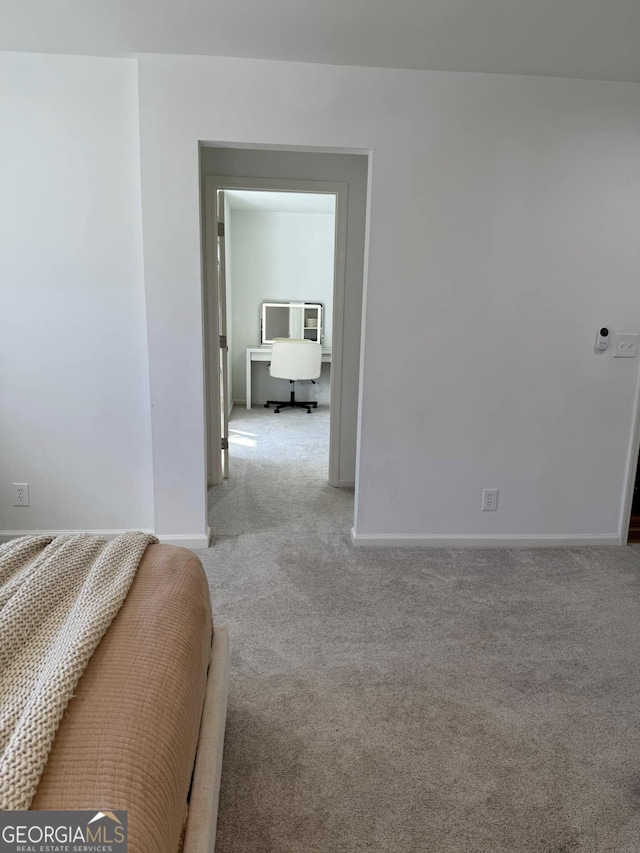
pixel 144 731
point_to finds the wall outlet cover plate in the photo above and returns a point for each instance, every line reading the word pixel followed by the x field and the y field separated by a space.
pixel 489 500
pixel 626 346
pixel 20 493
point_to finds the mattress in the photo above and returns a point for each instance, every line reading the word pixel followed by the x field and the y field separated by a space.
pixel 128 737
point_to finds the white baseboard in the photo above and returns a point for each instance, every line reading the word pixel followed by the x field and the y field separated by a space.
pixel 185 540
pixel 346 484
pixel 463 540
pixel 7 535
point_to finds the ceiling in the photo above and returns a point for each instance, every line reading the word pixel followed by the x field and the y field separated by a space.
pixel 260 201
pixel 597 39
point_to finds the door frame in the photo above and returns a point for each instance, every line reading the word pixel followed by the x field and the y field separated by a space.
pixel 211 320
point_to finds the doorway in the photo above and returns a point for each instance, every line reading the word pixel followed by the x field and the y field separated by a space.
pixel 277 166
pixel 234 321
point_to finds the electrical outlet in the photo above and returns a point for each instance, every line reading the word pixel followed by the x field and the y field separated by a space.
pixel 489 500
pixel 21 494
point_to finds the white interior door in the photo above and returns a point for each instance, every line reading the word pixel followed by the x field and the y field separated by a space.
pixel 222 335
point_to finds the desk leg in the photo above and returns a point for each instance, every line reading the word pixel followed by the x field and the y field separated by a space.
pixel 248 389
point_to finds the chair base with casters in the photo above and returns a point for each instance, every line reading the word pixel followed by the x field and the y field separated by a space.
pixel 291 402
pixel 294 359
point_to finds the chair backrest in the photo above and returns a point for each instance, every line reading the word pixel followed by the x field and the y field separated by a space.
pixel 295 359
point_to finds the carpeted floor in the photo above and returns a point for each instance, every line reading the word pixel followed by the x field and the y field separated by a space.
pixel 445 701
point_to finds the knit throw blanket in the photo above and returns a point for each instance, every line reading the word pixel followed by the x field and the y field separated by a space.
pixel 58 596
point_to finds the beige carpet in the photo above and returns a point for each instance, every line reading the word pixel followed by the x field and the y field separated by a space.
pixel 395 701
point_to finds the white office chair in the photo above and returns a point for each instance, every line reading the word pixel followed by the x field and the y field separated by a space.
pixel 293 360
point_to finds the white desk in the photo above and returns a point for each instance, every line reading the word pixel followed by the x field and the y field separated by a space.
pixel 264 354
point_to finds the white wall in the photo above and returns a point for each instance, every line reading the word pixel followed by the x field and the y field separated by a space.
pixel 74 400
pixel 503 231
pixel 278 257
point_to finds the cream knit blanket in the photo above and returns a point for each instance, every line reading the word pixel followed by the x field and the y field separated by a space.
pixel 58 596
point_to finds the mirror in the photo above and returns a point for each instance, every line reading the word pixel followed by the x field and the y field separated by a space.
pixel 291 320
